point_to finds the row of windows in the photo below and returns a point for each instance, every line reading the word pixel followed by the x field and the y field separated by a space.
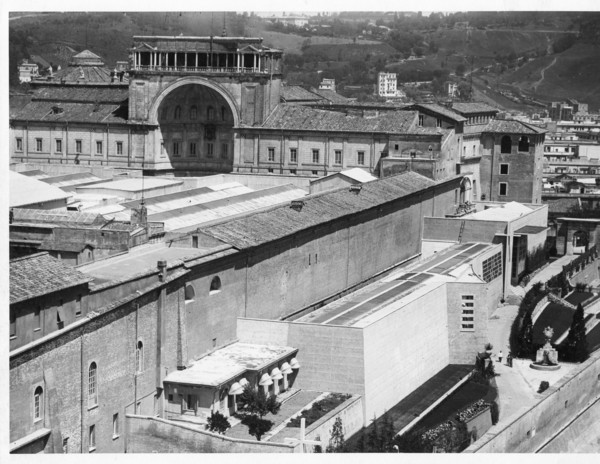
pixel 492 267
pixel 193 113
pixel 177 149
pixel 215 287
pixel 316 156
pixel 467 318
pixel 506 144
pixel 58 146
pixel 92 434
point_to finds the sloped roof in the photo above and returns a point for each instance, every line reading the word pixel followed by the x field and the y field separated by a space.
pixel 81 94
pixel 331 96
pixel 512 126
pixel 82 74
pixel 297 117
pixel 473 108
pixel 291 93
pixel 263 227
pixel 439 109
pixel 72 112
pixel 40 274
pixel 358 174
pixel 26 191
pixel 87 54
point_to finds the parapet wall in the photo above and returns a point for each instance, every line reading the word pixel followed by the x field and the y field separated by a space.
pixel 147 434
pixel 535 427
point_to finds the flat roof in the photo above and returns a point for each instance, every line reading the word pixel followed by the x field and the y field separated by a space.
pixel 229 362
pixel 365 306
pixel 133 184
pixel 26 191
pixel 137 261
pixel 505 213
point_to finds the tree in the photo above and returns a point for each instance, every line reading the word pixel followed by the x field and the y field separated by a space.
pixel 374 440
pixel 254 405
pixel 526 336
pixel 217 422
pixel 576 345
pixel 336 439
pixel 460 69
pixel 388 433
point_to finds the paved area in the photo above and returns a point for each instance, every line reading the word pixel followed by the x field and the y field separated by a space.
pixel 288 409
pixel 550 270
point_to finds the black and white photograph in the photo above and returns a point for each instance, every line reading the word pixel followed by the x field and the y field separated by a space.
pixel 319 230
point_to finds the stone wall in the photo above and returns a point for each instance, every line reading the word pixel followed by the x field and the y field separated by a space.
pixel 146 434
pixel 537 425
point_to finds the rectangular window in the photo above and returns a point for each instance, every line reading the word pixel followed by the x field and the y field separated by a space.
pixel 293 155
pixel 438 122
pixel 503 188
pixel 338 157
pixel 315 156
pixel 98 147
pixel 78 306
pixel 194 241
pixel 503 168
pixel 192 148
pixel 77 146
pixel 19 144
pixel 467 319
pixel 38 144
pixel 13 325
pixel 210 148
pixel 58 145
pixel 421 120
pixel 271 154
pixel 315 173
pixel 224 151
pixel 115 425
pixel 162 147
pixel 270 170
pixel 92 438
pixel 37 318
pixel 119 148
pixel 396 147
pixel 175 148
pixel 293 172
pixel 360 158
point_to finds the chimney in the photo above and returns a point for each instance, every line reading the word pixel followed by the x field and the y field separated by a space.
pixel 297 205
pixel 356 188
pixel 162 268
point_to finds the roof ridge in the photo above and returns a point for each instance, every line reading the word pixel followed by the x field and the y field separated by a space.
pixel 35 255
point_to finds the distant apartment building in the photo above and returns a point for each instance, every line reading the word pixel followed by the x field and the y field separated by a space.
pixel 28 71
pixel 387 84
pixel 327 84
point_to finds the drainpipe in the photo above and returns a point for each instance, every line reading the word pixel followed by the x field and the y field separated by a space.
pixel 162 275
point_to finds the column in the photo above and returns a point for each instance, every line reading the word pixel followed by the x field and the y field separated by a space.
pixel 196 62
pixel 175 63
pixel 254 62
pixel 185 60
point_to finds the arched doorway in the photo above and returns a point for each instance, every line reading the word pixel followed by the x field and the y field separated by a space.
pixel 196 128
pixel 465 190
pixel 580 241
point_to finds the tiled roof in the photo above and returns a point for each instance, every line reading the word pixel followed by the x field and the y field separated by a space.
pixel 291 93
pixel 40 274
pixel 473 108
pixel 331 96
pixel 439 109
pixel 55 93
pixel 55 217
pixel 512 126
pixel 86 54
pixel 297 117
pixel 72 112
pixel 263 227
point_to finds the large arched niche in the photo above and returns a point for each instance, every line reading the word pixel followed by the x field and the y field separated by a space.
pixel 196 124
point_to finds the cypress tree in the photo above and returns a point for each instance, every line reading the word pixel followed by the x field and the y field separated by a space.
pixel 374 441
pixel 576 344
pixel 526 336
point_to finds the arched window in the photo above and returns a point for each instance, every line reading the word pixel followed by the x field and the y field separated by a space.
pixel 139 357
pixel 210 113
pixel 189 293
pixel 92 385
pixel 215 284
pixel 193 112
pixel 524 143
pixel 38 403
pixel 505 144
pixel 177 114
pixel 223 113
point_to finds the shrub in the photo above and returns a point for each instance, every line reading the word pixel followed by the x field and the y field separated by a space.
pixel 217 422
pixel 543 386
